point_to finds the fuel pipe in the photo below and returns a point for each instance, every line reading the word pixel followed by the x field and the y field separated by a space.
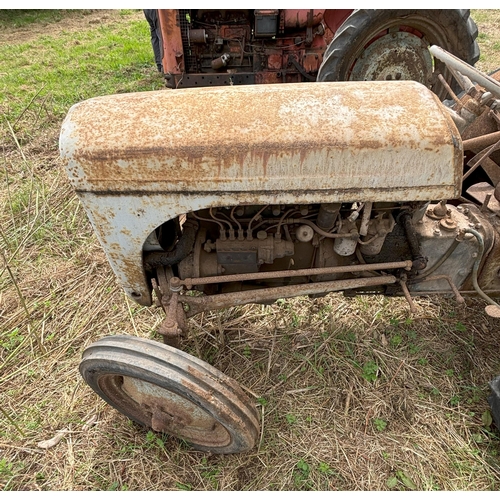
pixel 419 261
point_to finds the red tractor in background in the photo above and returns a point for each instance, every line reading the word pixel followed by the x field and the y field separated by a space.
pixel 233 47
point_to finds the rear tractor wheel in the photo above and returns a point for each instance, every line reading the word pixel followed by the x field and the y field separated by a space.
pixel 393 45
pixel 171 391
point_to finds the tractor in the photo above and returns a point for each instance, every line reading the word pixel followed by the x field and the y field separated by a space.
pixel 366 161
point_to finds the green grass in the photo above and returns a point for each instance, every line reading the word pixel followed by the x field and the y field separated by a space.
pixel 74 65
pixel 20 18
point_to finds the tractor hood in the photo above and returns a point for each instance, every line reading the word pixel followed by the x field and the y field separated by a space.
pixel 378 141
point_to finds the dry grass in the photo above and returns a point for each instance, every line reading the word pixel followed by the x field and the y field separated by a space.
pixel 354 394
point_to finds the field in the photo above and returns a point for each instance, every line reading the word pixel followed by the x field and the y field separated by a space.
pixel 354 394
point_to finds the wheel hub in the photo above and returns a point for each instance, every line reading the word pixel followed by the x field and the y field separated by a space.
pixel 394 56
pixel 175 414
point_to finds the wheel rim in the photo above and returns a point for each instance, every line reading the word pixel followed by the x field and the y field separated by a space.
pixel 165 411
pixel 170 391
pixel 394 56
pixel 347 56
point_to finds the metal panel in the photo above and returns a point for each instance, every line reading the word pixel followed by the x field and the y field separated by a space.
pixel 326 136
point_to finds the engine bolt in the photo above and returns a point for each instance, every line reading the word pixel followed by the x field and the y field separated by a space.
pixel 437 232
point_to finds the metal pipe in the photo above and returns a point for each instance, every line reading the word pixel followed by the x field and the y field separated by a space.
pixel 223 300
pixel 466 69
pixel 319 230
pixel 407 295
pixel 175 282
pixel 419 261
pixel 475 267
pixel 454 289
pixel 481 142
pixel 450 90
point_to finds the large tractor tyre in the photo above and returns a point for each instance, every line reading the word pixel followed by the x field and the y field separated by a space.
pixel 393 45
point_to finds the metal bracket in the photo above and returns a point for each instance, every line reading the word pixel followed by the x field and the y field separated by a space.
pixel 174 325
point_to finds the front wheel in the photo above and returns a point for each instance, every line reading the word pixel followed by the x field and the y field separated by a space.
pixel 171 391
pixel 393 45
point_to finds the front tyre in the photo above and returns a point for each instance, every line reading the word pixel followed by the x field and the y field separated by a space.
pixel 171 391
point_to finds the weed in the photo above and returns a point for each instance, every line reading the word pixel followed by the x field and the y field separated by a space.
pixel 184 487
pixel 11 340
pixel 290 418
pixel 211 474
pixel 406 480
pixel 380 424
pixel 324 468
pixel 370 371
pixel 301 475
pixel 396 340
pixel 486 419
pixel 153 441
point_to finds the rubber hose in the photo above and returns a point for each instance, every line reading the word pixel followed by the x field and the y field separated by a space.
pixel 181 251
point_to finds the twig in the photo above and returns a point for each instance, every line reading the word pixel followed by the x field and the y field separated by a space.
pixel 131 317
pixel 394 376
pixel 9 418
pixel 306 360
pixel 348 399
pixel 261 429
pixel 29 104
pixel 27 450
pixel 271 354
pixel 16 141
pixel 10 200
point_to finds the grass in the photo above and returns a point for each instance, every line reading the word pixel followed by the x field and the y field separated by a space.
pixel 354 394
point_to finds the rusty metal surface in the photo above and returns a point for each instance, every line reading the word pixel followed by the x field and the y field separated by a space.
pixel 483 141
pixel 190 282
pixel 173 52
pixel 137 160
pixel 299 18
pixel 208 303
pixel 394 56
pixel 318 137
pixel 436 241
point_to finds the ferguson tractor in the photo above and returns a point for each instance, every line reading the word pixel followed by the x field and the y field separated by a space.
pixel 225 194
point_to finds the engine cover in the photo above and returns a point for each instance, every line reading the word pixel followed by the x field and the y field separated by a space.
pixel 140 159
pixel 377 141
